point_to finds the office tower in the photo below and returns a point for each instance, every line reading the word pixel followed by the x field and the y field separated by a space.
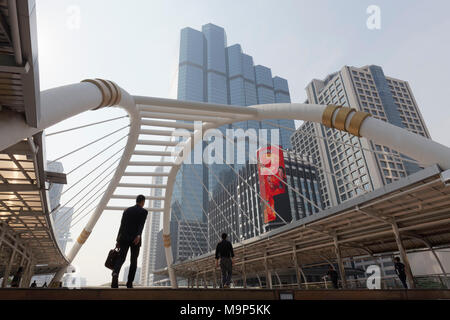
pixel 62 216
pixel 188 239
pixel 347 166
pixel 211 71
pixel 238 210
pixel 63 219
pixel 73 281
pixel 137 275
pixel 152 227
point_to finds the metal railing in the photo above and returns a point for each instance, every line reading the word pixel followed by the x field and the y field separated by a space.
pixel 431 281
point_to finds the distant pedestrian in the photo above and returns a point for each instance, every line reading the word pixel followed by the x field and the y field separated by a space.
pixel 44 285
pixel 15 283
pixel 333 275
pixel 129 237
pixel 224 252
pixel 33 285
pixel 400 271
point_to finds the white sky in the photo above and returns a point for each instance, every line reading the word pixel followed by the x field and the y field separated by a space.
pixel 135 44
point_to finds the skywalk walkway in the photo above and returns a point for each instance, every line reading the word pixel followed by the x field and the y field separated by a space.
pixel 218 294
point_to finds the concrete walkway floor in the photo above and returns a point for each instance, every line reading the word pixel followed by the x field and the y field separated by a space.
pixel 97 293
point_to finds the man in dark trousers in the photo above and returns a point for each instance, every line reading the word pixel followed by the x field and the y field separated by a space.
pixel 333 275
pixel 400 271
pixel 129 237
pixel 17 277
pixel 224 252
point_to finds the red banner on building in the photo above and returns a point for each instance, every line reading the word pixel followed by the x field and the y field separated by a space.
pixel 272 180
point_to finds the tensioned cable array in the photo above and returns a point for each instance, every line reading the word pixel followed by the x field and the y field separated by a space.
pixel 217 206
pixel 201 206
pixel 303 131
pixel 91 209
pixel 101 164
pixel 289 186
pixel 84 126
pixel 89 193
pixel 90 143
pixel 345 178
pixel 91 190
pixel 90 183
pixel 86 204
pixel 96 155
pixel 232 198
pixel 190 229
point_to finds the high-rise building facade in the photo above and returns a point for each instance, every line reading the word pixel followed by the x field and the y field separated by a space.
pixel 348 165
pixel 188 240
pixel 137 275
pixel 152 227
pixel 237 209
pixel 63 219
pixel 62 216
pixel 211 71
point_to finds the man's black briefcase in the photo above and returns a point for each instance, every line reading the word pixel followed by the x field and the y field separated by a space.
pixel 113 255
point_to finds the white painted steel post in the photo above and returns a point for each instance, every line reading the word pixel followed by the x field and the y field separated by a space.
pixel 98 90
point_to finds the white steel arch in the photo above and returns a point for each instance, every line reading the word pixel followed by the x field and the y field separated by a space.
pixel 61 103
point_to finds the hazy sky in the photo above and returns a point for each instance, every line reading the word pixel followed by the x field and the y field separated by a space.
pixel 135 44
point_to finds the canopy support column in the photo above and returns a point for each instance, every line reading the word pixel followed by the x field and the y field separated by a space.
pixel 337 249
pixel 401 248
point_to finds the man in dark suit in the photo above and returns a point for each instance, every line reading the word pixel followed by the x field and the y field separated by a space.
pixel 333 275
pixel 224 252
pixel 400 271
pixel 129 237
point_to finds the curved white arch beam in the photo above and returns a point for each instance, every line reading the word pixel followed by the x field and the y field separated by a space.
pixel 346 119
pixel 422 149
pixel 55 107
pixel 61 103
pixel 358 123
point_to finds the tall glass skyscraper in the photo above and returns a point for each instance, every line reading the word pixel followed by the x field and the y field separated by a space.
pixel 211 71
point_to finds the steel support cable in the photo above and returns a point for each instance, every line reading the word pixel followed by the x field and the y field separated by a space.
pixel 189 243
pixel 196 220
pixel 89 184
pixel 289 186
pixel 231 197
pixel 296 191
pixel 84 215
pixel 90 143
pixel 96 155
pixel 345 178
pixel 93 198
pixel 217 206
pixel 91 190
pixel 254 189
pixel 314 165
pixel 182 212
pixel 81 179
pixel 201 206
pixel 221 212
pixel 345 143
pixel 98 193
pixel 84 126
pixel 203 209
pixel 190 228
pixel 89 199
pixel 90 209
